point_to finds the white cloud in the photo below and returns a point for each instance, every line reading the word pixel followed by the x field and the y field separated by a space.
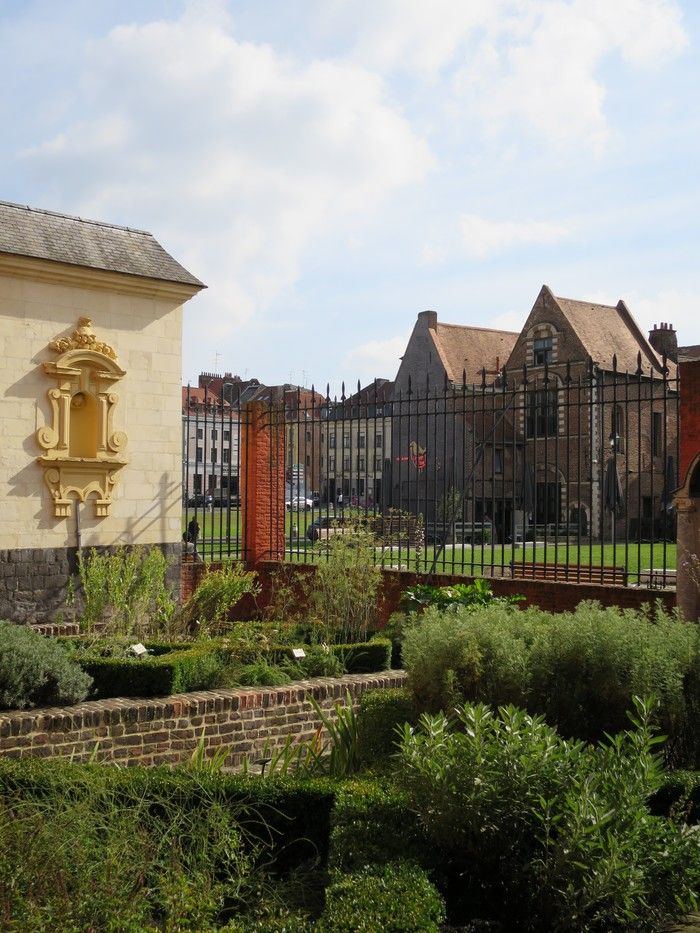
pixel 482 238
pixel 237 158
pixel 375 359
pixel 678 307
pixel 510 64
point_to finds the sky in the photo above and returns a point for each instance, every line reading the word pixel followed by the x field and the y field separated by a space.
pixel 330 168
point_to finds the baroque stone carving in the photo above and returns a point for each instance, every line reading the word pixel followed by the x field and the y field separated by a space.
pixel 82 450
pixel 82 338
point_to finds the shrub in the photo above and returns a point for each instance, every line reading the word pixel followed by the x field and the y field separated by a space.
pixel 557 832
pixel 371 824
pixel 216 595
pixel 179 670
pixel 396 898
pixel 473 595
pixel 345 588
pixel 381 714
pixel 37 671
pixel 125 592
pixel 79 857
pixel 579 669
pixel 464 654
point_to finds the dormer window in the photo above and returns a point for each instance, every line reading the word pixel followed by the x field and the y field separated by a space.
pixel 543 350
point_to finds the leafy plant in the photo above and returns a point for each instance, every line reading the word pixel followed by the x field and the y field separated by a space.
pixel 397 898
pixel 478 593
pixel 345 590
pixel 579 669
pixel 37 671
pixel 556 831
pixel 125 592
pixel 217 593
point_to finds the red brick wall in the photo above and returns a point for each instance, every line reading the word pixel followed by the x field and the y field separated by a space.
pixel 690 415
pixel 167 731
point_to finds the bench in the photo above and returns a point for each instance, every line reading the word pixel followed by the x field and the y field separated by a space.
pixel 569 573
pixel 459 533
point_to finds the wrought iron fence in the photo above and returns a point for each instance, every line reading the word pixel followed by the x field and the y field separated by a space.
pixel 212 439
pixel 558 472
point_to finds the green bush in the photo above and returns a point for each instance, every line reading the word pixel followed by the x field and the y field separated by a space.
pixel 166 672
pixel 580 669
pixel 679 797
pixel 37 671
pixel 125 592
pixel 371 824
pixel 216 595
pixel 90 855
pixel 395 898
pixel 557 833
pixel 381 714
pixel 344 592
pixel 288 817
pixel 361 658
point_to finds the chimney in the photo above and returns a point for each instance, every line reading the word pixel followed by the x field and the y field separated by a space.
pixel 664 340
pixel 430 318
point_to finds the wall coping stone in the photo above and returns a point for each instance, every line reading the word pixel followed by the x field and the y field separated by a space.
pixel 121 709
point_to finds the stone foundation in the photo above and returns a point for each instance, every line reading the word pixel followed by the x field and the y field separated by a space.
pixel 169 730
pixel 34 582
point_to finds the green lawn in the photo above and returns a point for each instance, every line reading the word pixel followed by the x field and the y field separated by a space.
pixel 219 538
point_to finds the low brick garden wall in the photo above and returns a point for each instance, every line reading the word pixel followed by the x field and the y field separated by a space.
pixel 168 730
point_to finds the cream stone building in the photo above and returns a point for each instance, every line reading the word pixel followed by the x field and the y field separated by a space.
pixel 90 410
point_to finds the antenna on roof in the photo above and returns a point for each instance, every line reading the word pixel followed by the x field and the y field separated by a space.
pixel 217 360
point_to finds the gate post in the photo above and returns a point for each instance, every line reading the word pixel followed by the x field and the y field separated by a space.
pixel 687 497
pixel 262 483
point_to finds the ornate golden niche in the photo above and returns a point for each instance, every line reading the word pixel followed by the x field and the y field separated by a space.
pixel 83 452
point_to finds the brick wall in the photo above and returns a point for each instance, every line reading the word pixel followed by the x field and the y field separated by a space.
pixel 167 731
pixel 690 414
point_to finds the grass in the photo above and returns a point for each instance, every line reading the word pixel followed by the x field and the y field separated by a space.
pixel 219 538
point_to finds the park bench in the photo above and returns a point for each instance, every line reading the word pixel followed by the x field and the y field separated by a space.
pixel 569 573
pixel 459 533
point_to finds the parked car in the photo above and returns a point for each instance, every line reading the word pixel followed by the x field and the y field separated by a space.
pixel 325 527
pixel 298 503
pixel 196 502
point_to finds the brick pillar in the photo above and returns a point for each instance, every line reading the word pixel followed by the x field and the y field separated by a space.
pixel 687 497
pixel 262 483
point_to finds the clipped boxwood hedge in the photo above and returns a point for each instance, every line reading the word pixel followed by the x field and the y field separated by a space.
pixel 397 897
pixel 367 657
pixel 290 816
pixel 381 714
pixel 159 674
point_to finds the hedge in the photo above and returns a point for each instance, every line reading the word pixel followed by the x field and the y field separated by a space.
pixel 289 815
pixel 380 714
pixel 178 671
pixel 371 824
pixel 366 657
pixel 395 898
pixel 678 797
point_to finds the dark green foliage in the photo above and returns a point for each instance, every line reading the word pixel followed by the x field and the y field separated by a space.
pixel 37 671
pixel 93 849
pixel 290 817
pixel 679 797
pixel 471 595
pixel 381 713
pixel 372 824
pixel 365 657
pixel 173 671
pixel 580 669
pixel 558 833
pixel 397 897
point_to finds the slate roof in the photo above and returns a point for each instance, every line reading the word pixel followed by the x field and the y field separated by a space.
pixel 40 234
pixel 610 330
pixel 473 349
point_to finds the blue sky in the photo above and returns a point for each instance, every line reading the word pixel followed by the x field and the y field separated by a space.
pixel 332 168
